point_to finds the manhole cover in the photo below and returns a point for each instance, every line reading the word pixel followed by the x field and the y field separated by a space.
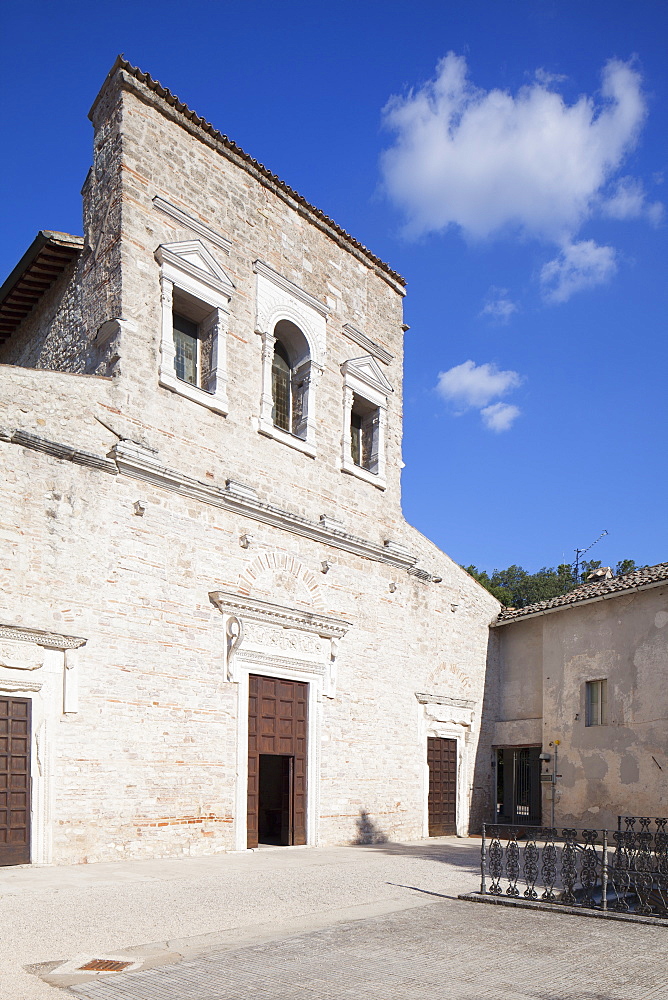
pixel 104 965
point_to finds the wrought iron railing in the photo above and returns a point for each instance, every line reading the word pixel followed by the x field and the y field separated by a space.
pixel 625 871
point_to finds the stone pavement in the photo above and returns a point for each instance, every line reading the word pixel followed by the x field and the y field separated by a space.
pixel 380 923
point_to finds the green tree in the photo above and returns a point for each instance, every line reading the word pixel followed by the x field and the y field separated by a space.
pixel 516 588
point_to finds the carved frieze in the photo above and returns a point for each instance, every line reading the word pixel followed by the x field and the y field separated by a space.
pixel 17 655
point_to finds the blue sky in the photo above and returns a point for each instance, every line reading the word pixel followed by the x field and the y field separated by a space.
pixel 508 158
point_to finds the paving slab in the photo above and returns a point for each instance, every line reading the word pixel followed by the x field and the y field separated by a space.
pixel 375 922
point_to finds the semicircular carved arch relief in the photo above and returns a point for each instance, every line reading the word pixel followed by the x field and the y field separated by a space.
pixel 449 679
pixel 275 312
pixel 281 578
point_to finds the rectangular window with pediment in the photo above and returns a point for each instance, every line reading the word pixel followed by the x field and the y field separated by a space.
pixel 196 295
pixel 365 399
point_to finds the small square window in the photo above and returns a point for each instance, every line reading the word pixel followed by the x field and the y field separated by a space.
pixel 596 707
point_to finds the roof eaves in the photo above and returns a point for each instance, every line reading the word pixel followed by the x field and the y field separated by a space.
pixel 653 576
pixel 252 165
pixel 45 239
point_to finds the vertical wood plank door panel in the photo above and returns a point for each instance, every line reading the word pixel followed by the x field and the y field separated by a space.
pixel 442 760
pixel 15 737
pixel 277 724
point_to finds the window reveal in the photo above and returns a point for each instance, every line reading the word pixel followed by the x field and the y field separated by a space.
pixel 596 706
pixel 364 421
pixel 186 345
pixel 290 380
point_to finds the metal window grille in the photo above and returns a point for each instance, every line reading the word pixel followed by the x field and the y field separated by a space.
pixel 186 343
pixel 281 389
pixel 596 708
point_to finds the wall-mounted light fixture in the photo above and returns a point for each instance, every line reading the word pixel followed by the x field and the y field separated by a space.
pixel 325 566
pixel 139 508
pixel 246 541
pixel 393 587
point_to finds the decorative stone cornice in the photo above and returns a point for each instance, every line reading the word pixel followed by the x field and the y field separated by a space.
pixel 139 462
pixel 369 345
pixel 64 451
pixel 367 370
pixel 288 286
pixel 191 258
pixel 253 609
pixel 190 222
pixel 51 640
pixel 440 699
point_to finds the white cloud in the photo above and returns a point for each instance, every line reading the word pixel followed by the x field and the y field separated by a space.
pixel 492 163
pixel 470 385
pixel 578 266
pixel 498 306
pixel 499 416
pixel 487 160
pixel 629 202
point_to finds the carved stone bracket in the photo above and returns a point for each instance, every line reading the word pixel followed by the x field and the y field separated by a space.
pixel 262 634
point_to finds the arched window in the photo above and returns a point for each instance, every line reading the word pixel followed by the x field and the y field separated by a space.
pixel 290 379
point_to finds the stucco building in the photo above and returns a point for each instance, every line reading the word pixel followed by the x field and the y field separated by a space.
pixel 582 680
pixel 217 628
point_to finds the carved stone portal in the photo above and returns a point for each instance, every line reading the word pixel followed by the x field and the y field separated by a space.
pixel 262 633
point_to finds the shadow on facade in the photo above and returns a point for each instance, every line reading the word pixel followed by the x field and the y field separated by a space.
pixel 483 792
pixel 367 831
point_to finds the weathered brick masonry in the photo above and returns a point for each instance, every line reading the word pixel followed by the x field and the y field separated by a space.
pixel 126 503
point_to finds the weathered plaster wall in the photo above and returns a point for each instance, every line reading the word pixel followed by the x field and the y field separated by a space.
pixel 619 768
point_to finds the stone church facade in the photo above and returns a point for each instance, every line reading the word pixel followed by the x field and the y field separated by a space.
pixel 216 627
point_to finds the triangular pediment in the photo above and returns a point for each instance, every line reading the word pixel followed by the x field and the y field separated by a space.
pixel 194 259
pixel 367 370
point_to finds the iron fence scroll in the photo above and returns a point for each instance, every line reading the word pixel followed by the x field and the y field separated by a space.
pixel 572 867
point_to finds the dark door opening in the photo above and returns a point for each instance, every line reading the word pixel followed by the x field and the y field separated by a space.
pixel 442 760
pixel 275 824
pixel 15 781
pixel 277 733
pixel 518 786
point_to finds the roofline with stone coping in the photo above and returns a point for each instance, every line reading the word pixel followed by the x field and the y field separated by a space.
pixel 132 79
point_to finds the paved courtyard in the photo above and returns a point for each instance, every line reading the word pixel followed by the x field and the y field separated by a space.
pixel 377 923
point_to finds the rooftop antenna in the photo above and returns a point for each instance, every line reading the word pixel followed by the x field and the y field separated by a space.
pixel 581 552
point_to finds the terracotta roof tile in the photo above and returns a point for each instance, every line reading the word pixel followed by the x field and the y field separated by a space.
pixel 601 588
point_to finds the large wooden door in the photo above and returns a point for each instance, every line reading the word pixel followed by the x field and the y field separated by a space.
pixel 14 781
pixel 442 760
pixel 277 724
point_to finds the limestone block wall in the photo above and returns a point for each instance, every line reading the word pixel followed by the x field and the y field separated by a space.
pixel 260 224
pixel 117 525
pixel 146 767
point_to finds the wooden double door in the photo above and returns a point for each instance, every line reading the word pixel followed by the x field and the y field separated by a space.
pixel 14 781
pixel 277 747
pixel 442 761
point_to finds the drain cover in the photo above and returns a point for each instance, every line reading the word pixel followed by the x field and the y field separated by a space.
pixel 104 965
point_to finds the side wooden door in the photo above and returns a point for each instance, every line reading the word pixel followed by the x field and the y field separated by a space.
pixel 442 760
pixel 15 736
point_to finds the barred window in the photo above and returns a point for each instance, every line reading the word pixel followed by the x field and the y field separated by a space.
pixel 290 380
pixel 597 699
pixel 281 379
